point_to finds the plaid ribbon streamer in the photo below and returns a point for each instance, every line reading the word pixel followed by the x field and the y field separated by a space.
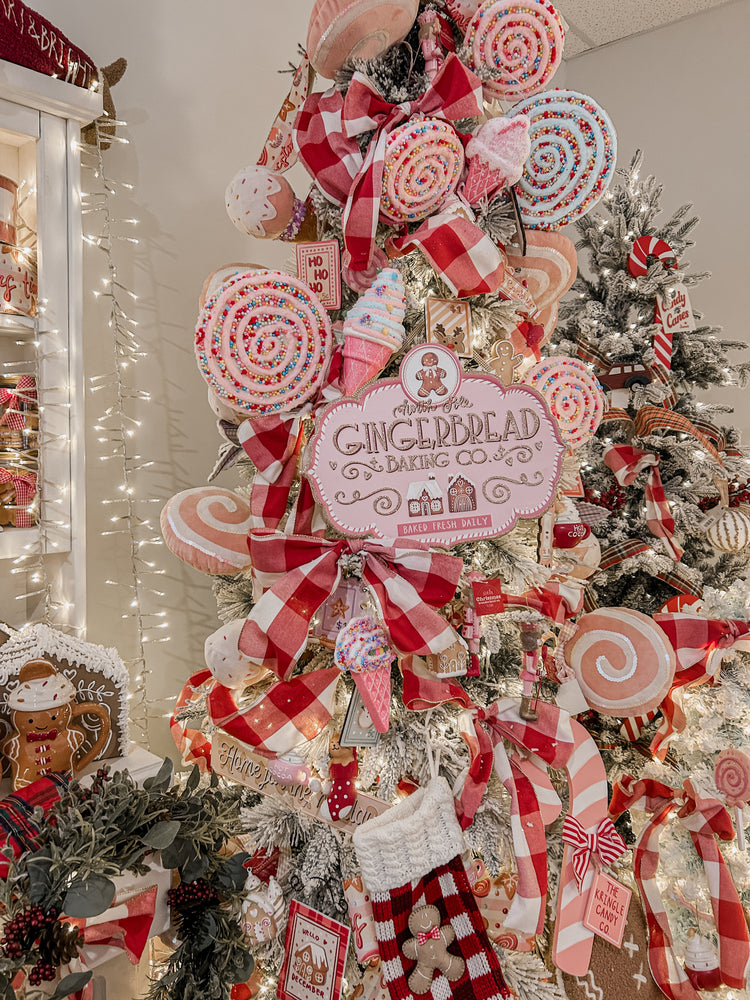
pixel 25 490
pixel 298 573
pixel 19 827
pixel 626 463
pixel 654 418
pixel 555 600
pixel 325 134
pixel 705 818
pixel 620 551
pixel 193 745
pixel 465 257
pixel 24 391
pixel 604 843
pixel 699 644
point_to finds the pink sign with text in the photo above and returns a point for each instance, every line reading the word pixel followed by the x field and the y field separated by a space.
pixel 607 908
pixel 437 454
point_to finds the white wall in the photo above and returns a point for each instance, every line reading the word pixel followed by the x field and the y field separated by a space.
pixel 199 95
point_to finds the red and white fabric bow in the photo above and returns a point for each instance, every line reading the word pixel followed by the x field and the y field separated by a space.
pixel 704 818
pixel 699 644
pixel 626 463
pixel 555 600
pixel 11 399
pixel 325 134
pixel 604 843
pixel 423 937
pixel 25 489
pixel 297 573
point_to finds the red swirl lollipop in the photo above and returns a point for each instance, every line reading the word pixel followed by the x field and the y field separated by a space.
pixel 732 777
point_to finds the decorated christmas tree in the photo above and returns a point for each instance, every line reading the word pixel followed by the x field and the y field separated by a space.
pixel 482 569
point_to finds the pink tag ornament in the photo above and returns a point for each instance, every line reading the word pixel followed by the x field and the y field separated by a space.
pixel 607 909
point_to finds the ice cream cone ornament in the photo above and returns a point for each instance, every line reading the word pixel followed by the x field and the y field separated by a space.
pixel 363 649
pixel 373 329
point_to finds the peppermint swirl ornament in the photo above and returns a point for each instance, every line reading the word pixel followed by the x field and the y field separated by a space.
pixel 207 528
pixel 573 396
pixel 573 153
pixel 518 45
pixel 263 342
pixel 424 158
pixel 732 776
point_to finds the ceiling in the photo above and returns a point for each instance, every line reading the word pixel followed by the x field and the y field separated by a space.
pixel 592 23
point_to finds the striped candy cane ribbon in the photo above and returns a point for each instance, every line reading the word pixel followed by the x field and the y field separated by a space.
pixel 705 818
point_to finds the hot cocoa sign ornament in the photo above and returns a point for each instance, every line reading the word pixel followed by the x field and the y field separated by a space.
pixel 437 454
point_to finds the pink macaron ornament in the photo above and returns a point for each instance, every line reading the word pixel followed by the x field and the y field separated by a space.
pixel 363 29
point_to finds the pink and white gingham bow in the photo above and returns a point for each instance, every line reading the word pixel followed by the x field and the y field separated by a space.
pixel 325 134
pixel 604 843
pixel 626 462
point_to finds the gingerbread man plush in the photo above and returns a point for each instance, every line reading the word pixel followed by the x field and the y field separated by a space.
pixel 42 739
pixel 342 769
pixel 429 949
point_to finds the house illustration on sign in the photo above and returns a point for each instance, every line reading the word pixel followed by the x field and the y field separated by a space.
pixel 462 494
pixel 311 964
pixel 425 498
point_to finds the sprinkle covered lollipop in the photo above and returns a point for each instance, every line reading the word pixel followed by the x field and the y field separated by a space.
pixel 424 158
pixel 263 342
pixel 374 329
pixel 573 396
pixel 362 648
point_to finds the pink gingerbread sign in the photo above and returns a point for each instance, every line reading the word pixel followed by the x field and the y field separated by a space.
pixel 437 454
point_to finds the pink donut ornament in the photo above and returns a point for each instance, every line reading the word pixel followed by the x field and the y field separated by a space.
pixel 263 342
pixel 259 202
pixel 207 528
pixel 623 661
pixel 650 246
pixel 227 662
pixel 424 158
pixel 346 29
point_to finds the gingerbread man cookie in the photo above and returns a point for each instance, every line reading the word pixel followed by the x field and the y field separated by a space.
pixel 503 361
pixel 431 376
pixel 42 739
pixel 429 949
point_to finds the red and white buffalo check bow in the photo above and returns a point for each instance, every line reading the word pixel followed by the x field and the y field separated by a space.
pixel 25 489
pixel 298 573
pixel 604 843
pixel 325 134
pixel 704 818
pixel 23 392
pixel 626 463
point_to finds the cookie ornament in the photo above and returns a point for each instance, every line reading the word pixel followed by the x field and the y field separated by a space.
pixel 623 661
pixel 43 738
pixel 429 949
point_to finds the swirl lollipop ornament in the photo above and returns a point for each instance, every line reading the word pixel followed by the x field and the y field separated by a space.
pixel 573 396
pixel 732 777
pixel 573 154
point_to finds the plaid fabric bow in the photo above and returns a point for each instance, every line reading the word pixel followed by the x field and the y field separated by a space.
pixel 325 134
pixel 626 463
pixel 604 843
pixel 25 490
pixel 556 601
pixel 423 938
pixel 705 818
pixel 11 399
pixel 298 573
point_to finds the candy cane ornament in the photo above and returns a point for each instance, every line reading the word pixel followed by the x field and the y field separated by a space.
pixel 643 248
pixel 193 745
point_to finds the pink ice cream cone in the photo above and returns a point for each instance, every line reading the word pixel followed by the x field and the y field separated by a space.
pixel 375 688
pixel 496 154
pixel 373 329
pixel 363 649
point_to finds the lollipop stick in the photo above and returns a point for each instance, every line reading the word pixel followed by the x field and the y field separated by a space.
pixel 739 824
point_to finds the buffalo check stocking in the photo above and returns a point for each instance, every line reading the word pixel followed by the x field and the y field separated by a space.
pixel 412 868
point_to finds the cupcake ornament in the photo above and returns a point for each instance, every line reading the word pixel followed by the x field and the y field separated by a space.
pixel 373 329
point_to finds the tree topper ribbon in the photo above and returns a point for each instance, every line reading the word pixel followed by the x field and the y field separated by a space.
pixel 298 573
pixel 325 134
pixel 626 463
pixel 705 818
pixel 604 844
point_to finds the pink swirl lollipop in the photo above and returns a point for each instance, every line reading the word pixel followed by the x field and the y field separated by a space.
pixel 573 153
pixel 573 396
pixel 732 777
pixel 263 342
pixel 423 162
pixel 518 46
pixel 207 528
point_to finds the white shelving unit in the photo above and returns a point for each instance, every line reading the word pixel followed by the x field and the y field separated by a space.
pixel 40 122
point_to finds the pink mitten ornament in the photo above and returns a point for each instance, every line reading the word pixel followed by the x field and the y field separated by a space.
pixel 496 154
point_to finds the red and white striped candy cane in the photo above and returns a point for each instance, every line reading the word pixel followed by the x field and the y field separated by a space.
pixel 650 246
pixel 194 746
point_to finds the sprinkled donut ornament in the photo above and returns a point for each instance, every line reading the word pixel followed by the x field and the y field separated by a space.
pixel 424 158
pixel 572 395
pixel 623 661
pixel 732 777
pixel 519 46
pixel 207 528
pixel 650 246
pixel 263 342
pixel 362 648
pixel 573 153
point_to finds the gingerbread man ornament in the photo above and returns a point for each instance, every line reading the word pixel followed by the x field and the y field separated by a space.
pixel 429 949
pixel 42 739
